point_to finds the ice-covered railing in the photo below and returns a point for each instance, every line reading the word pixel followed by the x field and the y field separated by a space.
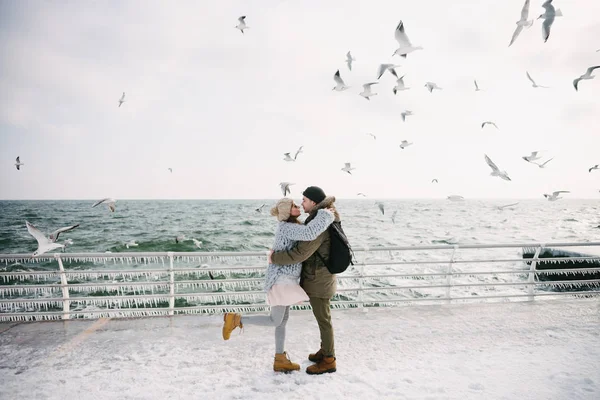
pixel 93 285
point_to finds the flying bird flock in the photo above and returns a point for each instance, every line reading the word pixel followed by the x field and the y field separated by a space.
pixel 405 50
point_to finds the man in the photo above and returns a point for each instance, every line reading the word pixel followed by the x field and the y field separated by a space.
pixel 317 282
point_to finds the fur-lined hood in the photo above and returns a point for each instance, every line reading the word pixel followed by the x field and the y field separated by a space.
pixel 328 202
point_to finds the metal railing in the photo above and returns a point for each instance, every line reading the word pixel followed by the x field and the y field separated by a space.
pixel 150 284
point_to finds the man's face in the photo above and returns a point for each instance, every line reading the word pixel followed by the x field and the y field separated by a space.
pixel 307 204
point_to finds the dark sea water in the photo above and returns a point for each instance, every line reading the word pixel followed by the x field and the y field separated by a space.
pixel 234 225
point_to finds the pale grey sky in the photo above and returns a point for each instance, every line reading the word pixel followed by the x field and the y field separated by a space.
pixel 221 108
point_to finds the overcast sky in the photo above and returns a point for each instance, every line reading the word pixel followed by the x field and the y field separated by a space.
pixel 220 107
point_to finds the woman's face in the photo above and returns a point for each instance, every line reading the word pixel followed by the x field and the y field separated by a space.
pixel 295 211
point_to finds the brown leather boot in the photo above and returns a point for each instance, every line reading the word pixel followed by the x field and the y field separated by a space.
pixel 316 357
pixel 326 365
pixel 230 322
pixel 283 364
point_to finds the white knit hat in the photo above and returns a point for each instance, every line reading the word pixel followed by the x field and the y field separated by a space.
pixel 282 209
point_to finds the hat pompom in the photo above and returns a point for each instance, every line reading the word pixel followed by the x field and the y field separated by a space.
pixel 282 209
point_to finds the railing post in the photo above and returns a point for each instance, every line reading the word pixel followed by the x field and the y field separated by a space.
pixel 64 288
pixel 171 284
pixel 532 269
pixel 449 274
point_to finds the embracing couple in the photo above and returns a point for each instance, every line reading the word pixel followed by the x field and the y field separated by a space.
pixel 296 273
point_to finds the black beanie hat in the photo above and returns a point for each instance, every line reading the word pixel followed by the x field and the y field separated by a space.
pixel 314 193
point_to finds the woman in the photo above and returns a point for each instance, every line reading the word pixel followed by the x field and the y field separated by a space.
pixel 282 281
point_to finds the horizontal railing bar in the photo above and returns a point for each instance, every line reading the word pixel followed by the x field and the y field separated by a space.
pixel 132 297
pixel 477 246
pixel 129 310
pixel 64 256
pixel 84 271
pixel 467 297
pixel 492 260
pixel 468 285
pixel 217 269
pixel 226 268
pixel 181 310
pixel 165 283
pixel 129 271
pixel 154 283
pixel 158 283
pixel 254 292
pixel 549 271
pixel 144 255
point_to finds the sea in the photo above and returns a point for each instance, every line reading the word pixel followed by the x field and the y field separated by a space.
pixel 236 225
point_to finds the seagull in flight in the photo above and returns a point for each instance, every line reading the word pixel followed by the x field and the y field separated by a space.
pixel 170 170
pixel 431 86
pixel 374 137
pixel 544 164
pixel 131 243
pixel 434 180
pixel 495 170
pixel 488 123
pixel 522 23
pixel 531 157
pixel 340 86
pixel 197 243
pixel 405 114
pixel 347 168
pixel 289 158
pixel 349 60
pixel 535 85
pixel 259 209
pixel 405 46
pixel 381 207
pixel 67 242
pixel 548 17
pixel 366 93
pixel 122 99
pixel 242 24
pixel 399 85
pixel 404 144
pixel 587 75
pixel 361 194
pixel 455 197
pixel 46 244
pixel 476 85
pixel 387 67
pixel 18 163
pixel 555 195
pixel 285 187
pixel 110 202
pixel 506 206
pixel 593 168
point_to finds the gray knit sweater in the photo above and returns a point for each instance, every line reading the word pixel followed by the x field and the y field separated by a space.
pixel 286 236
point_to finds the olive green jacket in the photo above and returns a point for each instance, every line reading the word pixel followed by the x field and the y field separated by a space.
pixel 315 278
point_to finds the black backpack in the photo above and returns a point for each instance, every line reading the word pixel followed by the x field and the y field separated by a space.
pixel 340 252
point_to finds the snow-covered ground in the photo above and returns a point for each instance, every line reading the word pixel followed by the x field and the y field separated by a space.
pixel 541 350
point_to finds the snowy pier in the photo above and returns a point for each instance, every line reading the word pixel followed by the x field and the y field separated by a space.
pixel 514 350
